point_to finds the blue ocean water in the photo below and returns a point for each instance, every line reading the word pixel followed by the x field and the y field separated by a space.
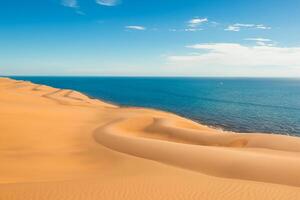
pixel 236 104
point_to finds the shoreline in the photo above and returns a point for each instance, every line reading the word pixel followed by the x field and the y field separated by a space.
pixel 56 141
pixel 234 123
pixel 218 128
pixel 201 122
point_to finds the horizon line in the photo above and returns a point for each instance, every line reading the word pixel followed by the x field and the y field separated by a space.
pixel 152 76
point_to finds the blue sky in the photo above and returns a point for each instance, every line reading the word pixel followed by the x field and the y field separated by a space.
pixel 150 37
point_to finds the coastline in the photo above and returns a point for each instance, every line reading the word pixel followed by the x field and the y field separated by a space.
pixel 223 107
pixel 202 123
pixel 113 145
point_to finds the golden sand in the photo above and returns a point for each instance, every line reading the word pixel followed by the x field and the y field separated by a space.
pixel 59 144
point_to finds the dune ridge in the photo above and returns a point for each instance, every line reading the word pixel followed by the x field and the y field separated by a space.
pixel 61 144
pixel 209 158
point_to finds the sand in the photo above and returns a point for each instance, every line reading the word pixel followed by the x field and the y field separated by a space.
pixel 60 144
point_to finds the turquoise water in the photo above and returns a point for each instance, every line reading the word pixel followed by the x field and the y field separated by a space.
pixel 236 104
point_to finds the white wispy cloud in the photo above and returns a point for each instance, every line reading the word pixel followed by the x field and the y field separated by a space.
pixel 192 29
pixel 262 41
pixel 79 12
pixel 261 26
pixel 238 26
pixel 139 28
pixel 185 30
pixel 195 22
pixel 193 25
pixel 244 25
pixel 234 54
pixel 70 3
pixel 74 5
pixel 259 39
pixel 233 28
pixel 108 2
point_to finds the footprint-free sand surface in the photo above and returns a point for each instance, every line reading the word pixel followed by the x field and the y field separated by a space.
pixel 62 145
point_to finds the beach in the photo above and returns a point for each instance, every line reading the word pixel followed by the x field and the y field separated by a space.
pixel 61 144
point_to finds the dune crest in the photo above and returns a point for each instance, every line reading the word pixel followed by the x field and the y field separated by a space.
pixel 61 144
pixel 214 155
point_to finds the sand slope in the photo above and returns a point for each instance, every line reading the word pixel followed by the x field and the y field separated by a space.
pixel 60 144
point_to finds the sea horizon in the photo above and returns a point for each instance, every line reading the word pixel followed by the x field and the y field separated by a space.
pixel 150 76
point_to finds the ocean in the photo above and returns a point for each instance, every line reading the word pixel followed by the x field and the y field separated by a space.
pixel 267 105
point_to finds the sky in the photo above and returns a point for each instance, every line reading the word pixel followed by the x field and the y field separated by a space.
pixel 246 38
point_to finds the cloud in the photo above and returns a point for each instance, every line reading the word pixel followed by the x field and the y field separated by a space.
pixel 233 28
pixel 70 3
pixel 244 25
pixel 233 54
pixel 73 4
pixel 261 41
pixel 238 26
pixel 186 30
pixel 193 23
pixel 139 28
pixel 192 29
pixel 261 26
pixel 79 12
pixel 108 2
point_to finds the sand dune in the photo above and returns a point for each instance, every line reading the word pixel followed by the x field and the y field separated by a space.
pixel 60 144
